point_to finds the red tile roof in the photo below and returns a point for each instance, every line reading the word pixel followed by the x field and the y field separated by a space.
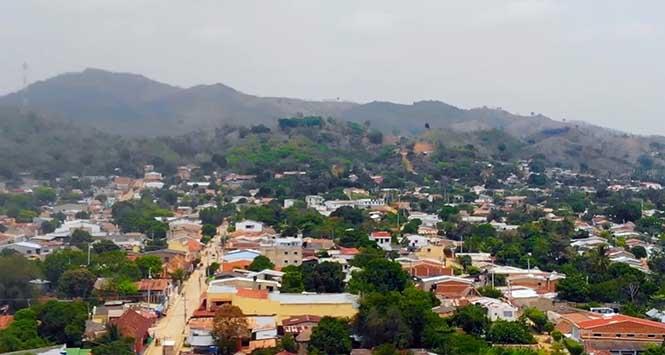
pixel 381 234
pixel 6 321
pixel 132 324
pixel 301 319
pixel 249 293
pixel 620 318
pixel 194 245
pixel 152 284
pixel 348 251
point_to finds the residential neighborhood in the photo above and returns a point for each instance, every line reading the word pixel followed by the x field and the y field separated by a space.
pixel 161 265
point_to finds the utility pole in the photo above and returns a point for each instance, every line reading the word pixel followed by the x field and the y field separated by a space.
pixel 149 284
pixel 184 305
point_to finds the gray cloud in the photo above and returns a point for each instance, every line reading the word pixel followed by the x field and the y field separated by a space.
pixel 598 61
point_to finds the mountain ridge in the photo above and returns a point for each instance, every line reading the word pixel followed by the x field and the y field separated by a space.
pixel 132 105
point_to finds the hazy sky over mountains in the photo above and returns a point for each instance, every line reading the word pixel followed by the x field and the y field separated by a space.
pixel 598 61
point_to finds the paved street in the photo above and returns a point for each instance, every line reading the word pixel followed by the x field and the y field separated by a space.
pixel 172 326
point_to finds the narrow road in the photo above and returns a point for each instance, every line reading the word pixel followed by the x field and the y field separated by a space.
pixel 173 325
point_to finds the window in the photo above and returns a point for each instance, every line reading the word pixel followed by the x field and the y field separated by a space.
pixel 286 253
pixel 630 335
pixel 597 335
pixel 651 335
pixel 618 335
pixel 286 261
pixel 295 253
pixel 508 314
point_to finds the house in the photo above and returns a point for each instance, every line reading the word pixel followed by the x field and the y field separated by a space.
pixel 434 252
pixel 238 259
pixel 249 226
pixel 262 333
pixel 424 267
pixel 416 241
pixel 132 324
pixel 297 324
pixel 172 260
pixel 27 249
pixel 448 287
pixel 618 334
pixel 282 305
pixel 382 239
pixel 542 283
pixel 589 243
pixel 496 309
pixel 426 219
pixel 155 290
pixel 283 252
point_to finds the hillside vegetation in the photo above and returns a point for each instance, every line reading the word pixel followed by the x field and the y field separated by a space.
pixel 97 121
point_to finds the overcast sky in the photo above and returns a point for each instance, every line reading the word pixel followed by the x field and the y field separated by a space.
pixel 598 61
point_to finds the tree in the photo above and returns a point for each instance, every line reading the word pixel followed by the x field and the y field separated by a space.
pixel 625 211
pixel 62 322
pixel 489 291
pixel 209 230
pixel 288 343
pixel 639 251
pixel 118 347
pixel 212 268
pixel 55 264
pixel 113 343
pixel 326 277
pixel 44 195
pixel 349 214
pixel 538 318
pixel 381 275
pixel 212 215
pixel 16 274
pixel 472 319
pixel 229 327
pixel 178 276
pixel 292 281
pixel 104 246
pixel 149 265
pixel 573 288
pixel 82 215
pixel 331 337
pixel 375 137
pixel 573 347
pixel 22 334
pixel 504 332
pixel 366 255
pixel 80 239
pixel 76 283
pixel 260 263
pixel 385 349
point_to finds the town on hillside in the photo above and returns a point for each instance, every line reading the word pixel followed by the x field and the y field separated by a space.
pixel 542 260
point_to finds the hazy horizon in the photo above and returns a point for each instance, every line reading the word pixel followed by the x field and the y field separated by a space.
pixel 564 59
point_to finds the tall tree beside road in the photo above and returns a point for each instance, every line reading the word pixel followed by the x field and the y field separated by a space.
pixel 229 327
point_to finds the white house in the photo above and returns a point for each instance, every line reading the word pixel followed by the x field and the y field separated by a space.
pixel 26 248
pixel 427 219
pixel 382 239
pixel 496 309
pixel 417 241
pixel 249 226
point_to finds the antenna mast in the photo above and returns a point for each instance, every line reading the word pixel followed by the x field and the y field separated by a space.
pixel 24 91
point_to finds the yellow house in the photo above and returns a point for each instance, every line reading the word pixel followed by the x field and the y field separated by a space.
pixel 283 305
pixel 436 252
